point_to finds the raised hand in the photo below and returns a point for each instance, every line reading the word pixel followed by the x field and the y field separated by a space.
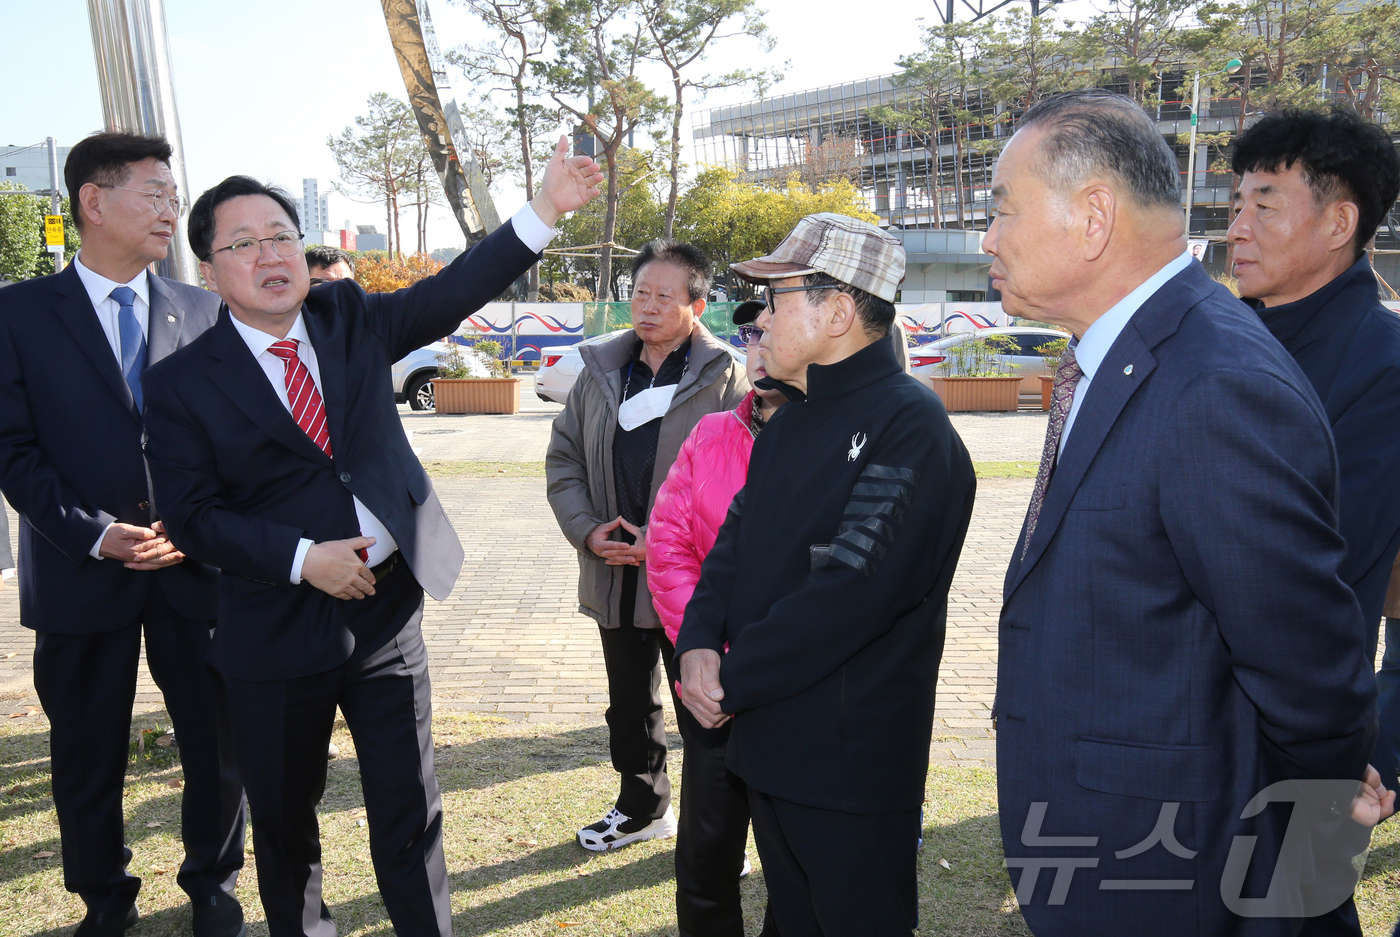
pixel 570 182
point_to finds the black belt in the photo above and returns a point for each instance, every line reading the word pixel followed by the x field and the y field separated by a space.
pixel 384 569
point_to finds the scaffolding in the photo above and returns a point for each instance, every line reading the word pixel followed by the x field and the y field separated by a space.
pixel 927 179
pixel 907 177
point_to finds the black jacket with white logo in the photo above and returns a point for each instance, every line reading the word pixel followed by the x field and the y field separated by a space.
pixel 829 581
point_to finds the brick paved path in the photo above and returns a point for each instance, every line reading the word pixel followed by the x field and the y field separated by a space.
pixel 990 437
pixel 510 641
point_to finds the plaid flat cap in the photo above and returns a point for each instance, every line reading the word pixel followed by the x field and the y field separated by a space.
pixel 850 250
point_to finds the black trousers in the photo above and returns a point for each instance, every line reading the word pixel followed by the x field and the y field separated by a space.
pixel 834 874
pixel 87 685
pixel 714 828
pixel 637 659
pixel 281 730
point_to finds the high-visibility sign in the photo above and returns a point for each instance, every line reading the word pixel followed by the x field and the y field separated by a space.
pixel 53 230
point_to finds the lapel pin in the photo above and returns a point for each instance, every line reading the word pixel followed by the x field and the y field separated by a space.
pixel 1128 369
pixel 172 319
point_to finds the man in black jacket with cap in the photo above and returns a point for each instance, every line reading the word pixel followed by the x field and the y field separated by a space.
pixel 829 585
pixel 1314 187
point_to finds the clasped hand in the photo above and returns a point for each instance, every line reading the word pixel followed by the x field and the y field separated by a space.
pixel 1373 802
pixel 615 552
pixel 700 688
pixel 142 548
pixel 336 569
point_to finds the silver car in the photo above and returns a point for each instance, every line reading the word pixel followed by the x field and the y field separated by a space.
pixel 413 374
pixel 559 370
pixel 927 361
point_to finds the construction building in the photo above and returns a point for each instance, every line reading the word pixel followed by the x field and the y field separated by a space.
pixel 910 178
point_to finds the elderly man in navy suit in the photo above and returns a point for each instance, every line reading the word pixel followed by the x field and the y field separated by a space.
pixel 95 566
pixel 278 456
pixel 1175 640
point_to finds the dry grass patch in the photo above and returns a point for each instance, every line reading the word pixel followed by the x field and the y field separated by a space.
pixel 514 795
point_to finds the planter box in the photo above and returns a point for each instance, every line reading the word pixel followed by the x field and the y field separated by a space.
pixel 1047 384
pixel 965 394
pixel 476 395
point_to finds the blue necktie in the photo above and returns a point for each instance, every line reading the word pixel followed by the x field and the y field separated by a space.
pixel 133 342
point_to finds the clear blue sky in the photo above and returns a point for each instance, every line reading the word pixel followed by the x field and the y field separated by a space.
pixel 260 84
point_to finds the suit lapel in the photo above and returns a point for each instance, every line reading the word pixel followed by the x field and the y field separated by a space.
pixel 74 310
pixel 1105 399
pixel 166 320
pixel 234 371
pixel 1112 387
pixel 330 361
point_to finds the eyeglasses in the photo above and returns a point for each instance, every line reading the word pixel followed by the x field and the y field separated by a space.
pixel 750 334
pixel 286 243
pixel 771 291
pixel 159 200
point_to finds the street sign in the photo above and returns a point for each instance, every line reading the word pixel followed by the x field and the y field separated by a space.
pixel 53 230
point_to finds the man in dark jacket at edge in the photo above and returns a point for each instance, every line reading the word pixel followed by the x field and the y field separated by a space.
pixel 1314 187
pixel 829 584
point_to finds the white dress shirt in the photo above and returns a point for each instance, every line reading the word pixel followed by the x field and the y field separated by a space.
pixel 533 233
pixel 276 370
pixel 99 290
pixel 1100 336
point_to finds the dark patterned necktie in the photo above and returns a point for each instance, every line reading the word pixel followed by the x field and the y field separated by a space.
pixel 1067 377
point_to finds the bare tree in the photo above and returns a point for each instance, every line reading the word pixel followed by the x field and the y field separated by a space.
pixel 376 161
pixel 513 56
pixel 682 32
pixel 601 44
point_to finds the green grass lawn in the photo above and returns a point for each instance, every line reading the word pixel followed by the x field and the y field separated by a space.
pixel 513 795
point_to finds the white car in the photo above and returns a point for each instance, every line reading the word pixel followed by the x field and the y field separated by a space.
pixel 927 361
pixel 413 373
pixel 558 371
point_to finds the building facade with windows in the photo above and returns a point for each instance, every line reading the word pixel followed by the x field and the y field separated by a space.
pixel 28 166
pixel 938 179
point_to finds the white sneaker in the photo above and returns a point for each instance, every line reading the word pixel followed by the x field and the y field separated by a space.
pixel 748 867
pixel 617 830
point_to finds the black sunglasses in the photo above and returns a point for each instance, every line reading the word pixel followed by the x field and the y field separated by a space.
pixel 750 334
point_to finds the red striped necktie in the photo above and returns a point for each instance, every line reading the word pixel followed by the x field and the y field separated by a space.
pixel 307 408
pixel 305 399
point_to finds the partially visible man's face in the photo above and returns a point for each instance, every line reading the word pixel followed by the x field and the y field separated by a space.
pixel 1280 237
pixel 662 313
pixel 269 287
pixel 795 334
pixel 339 270
pixel 129 220
pixel 1034 264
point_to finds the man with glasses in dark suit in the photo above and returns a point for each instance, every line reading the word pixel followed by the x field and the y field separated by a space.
pixel 96 569
pixel 278 456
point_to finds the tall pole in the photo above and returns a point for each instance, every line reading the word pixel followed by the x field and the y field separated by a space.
pixel 138 96
pixel 55 202
pixel 1191 156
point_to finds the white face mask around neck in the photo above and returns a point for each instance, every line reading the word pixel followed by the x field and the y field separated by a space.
pixel 645 406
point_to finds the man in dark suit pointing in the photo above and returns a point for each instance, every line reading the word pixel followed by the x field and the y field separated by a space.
pixel 278 456
pixel 1175 640
pixel 95 566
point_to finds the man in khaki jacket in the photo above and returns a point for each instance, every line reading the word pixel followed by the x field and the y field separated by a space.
pixel 639 395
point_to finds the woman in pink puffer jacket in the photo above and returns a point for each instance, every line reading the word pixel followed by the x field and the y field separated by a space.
pixel 685 520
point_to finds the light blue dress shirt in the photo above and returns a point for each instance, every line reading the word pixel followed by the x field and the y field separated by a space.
pixel 1099 338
